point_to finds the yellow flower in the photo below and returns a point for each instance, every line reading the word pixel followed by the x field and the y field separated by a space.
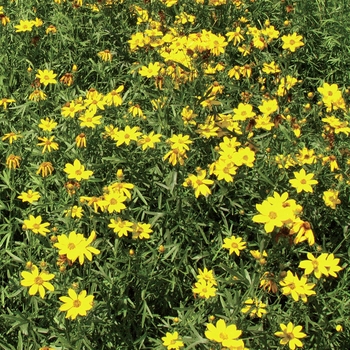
pixel 47 143
pixel 204 289
pixel 290 335
pixel 297 288
pixel 199 183
pixel 141 231
pixel 236 36
pixel 222 333
pixel 11 136
pixel 46 77
pixel 315 265
pixel 172 341
pixel 207 275
pixel 24 26
pixel 90 120
pixel 150 71
pixel 5 101
pixel 105 55
pixel 37 282
pixel 37 95
pixel 268 107
pixel 47 124
pixel 80 140
pixel 292 41
pixel 29 196
pixel 148 141
pixel 243 112
pixel 330 198
pixel 75 212
pixel 45 168
pixel 234 244
pixel 77 171
pixel 254 307
pixel 303 181
pixel 76 304
pixel 34 224
pixel 127 135
pixel 12 161
pixel 122 228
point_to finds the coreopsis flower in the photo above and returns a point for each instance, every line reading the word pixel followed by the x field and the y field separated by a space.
pixel 243 112
pixel 37 95
pixel 29 196
pixel 47 124
pixel 268 282
pixel 71 108
pixel 151 70
pixel 121 227
pixel 149 141
pixel 67 79
pixel 90 120
pixel 46 77
pixel 77 171
pixel 216 44
pixel 11 136
pixel 80 140
pixel 204 289
pixel 199 183
pixel 175 156
pixel 45 169
pixel 172 341
pixel 234 244
pixel 76 304
pixel 332 265
pixel 4 19
pixel 207 275
pixel 121 188
pixel 274 214
pixel 136 111
pixel 12 161
pixel 271 68
pixel 259 256
pixel 180 142
pixel 105 55
pixel 303 181
pixel 236 36
pixel 51 29
pixel 268 107
pixel 37 282
pixel 75 212
pixel 306 156
pixel 255 307
pixel 297 288
pixel 5 101
pixel 332 160
pixel 315 265
pixel 303 232
pixel 127 135
pixel 48 144
pixel 76 246
pixel 188 116
pixel 114 202
pixel 291 335
pixel 24 26
pixel 227 336
pixel 330 198
pixel 141 230
pixel 35 225
pixel 292 41
pixel 113 97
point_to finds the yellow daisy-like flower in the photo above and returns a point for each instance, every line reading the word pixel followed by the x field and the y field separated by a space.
pixel 291 335
pixel 292 41
pixel 37 281
pixel 234 244
pixel 77 171
pixel 46 77
pixel 34 224
pixel 76 304
pixel 303 181
pixel 29 196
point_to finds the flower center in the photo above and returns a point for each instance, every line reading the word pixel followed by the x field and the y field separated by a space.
pixel 76 303
pixel 38 280
pixel 272 215
pixel 71 246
